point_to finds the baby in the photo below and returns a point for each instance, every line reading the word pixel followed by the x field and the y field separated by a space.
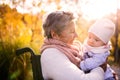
pixel 97 45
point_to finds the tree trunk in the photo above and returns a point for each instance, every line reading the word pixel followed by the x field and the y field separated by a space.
pixel 117 49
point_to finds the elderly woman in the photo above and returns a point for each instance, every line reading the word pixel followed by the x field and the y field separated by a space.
pixel 61 53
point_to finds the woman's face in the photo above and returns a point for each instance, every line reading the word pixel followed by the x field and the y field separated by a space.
pixel 68 34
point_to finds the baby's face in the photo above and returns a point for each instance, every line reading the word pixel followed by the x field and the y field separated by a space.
pixel 94 41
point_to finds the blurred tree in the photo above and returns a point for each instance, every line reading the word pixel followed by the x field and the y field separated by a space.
pixel 117 39
pixel 13 34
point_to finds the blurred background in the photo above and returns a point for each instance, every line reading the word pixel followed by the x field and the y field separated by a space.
pixel 21 26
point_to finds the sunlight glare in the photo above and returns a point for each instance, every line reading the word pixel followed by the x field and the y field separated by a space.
pixel 90 9
pixel 98 8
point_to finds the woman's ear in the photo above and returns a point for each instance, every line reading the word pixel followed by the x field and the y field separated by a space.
pixel 54 35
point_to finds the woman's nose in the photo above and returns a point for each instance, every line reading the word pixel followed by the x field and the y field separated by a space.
pixel 76 35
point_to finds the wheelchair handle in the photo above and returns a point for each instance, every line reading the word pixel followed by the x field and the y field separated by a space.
pixel 23 50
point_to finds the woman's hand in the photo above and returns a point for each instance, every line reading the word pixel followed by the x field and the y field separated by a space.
pixel 115 76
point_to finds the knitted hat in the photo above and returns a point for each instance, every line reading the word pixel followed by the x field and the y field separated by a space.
pixel 103 29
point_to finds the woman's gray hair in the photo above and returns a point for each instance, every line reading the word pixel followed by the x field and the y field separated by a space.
pixel 56 21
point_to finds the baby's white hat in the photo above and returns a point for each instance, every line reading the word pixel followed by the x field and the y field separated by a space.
pixel 103 29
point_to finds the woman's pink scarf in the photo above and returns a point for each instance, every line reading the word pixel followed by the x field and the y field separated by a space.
pixel 71 51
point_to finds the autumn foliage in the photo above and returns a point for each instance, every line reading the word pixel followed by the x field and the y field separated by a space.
pixel 20 30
